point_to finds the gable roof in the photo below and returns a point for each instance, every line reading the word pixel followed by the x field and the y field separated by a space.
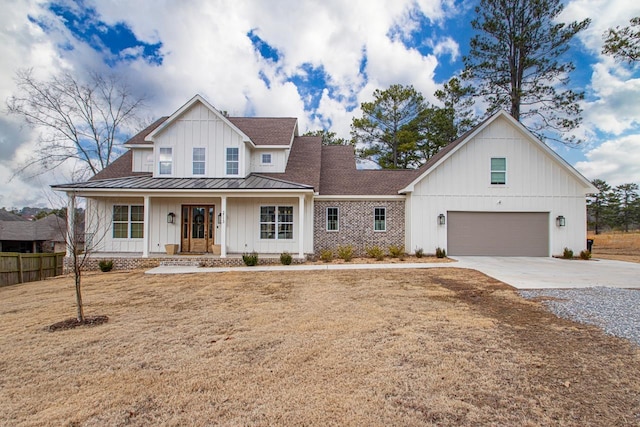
pixel 304 162
pixel 195 100
pixel 9 216
pixel 454 146
pixel 267 131
pixel 139 138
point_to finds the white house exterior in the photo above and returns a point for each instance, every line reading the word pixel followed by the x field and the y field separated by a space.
pixel 215 184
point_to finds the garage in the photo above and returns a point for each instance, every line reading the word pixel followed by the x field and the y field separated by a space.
pixel 498 233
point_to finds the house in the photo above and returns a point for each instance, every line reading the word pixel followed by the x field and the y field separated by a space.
pixel 228 185
pixel 44 235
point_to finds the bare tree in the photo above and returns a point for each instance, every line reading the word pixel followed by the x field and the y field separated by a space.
pixel 79 120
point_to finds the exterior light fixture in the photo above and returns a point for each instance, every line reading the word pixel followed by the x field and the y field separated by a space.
pixel 220 218
pixel 171 218
pixel 441 219
pixel 561 221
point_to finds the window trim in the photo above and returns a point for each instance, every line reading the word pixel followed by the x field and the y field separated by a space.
pixel 130 222
pixel 203 161
pixel 277 222
pixel 232 162
pixel 502 171
pixel 262 157
pixel 375 221
pixel 337 220
pixel 165 162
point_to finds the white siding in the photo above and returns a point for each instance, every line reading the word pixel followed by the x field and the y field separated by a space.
pixel 142 159
pixel 535 183
pixel 200 127
pixel 278 160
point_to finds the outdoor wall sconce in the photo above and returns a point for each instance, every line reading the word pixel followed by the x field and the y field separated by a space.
pixel 441 219
pixel 171 218
pixel 561 221
pixel 220 218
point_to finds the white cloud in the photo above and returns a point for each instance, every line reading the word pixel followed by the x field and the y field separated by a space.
pixel 616 161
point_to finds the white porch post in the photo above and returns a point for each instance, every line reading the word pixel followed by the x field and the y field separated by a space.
pixel 301 227
pixel 146 228
pixel 70 232
pixel 223 227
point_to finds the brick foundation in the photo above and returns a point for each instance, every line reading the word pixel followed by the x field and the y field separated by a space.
pixel 356 225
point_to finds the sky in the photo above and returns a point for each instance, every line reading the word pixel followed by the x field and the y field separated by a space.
pixel 314 60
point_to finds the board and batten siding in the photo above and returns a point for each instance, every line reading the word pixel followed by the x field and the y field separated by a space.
pixel 278 160
pixel 200 127
pixel 142 160
pixel 535 182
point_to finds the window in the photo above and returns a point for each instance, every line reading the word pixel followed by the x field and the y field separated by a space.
pixel 266 159
pixel 128 222
pixel 332 219
pixel 276 222
pixel 232 161
pixel 380 219
pixel 198 160
pixel 498 170
pixel 166 159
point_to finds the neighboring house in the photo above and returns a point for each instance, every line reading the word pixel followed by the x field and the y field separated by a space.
pixel 44 235
pixel 229 185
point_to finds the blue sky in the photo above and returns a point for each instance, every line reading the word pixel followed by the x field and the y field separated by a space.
pixel 316 61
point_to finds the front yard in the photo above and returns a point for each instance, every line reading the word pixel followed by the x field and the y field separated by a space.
pixel 376 347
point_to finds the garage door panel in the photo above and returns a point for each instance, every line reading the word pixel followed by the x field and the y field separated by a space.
pixel 498 233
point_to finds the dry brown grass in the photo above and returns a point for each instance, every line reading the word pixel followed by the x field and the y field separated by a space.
pixel 617 245
pixel 412 347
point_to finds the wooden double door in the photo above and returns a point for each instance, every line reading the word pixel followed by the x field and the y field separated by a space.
pixel 198 228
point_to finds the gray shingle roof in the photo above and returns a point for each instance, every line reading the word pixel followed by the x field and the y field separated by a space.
pixel 266 130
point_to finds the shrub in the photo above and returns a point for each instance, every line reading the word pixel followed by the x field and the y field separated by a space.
pixel 419 253
pixel 326 255
pixel 567 253
pixel 396 251
pixel 286 258
pixel 345 252
pixel 585 255
pixel 375 252
pixel 441 253
pixel 105 265
pixel 250 259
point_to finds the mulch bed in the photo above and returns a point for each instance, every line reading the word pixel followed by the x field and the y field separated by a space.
pixel 74 323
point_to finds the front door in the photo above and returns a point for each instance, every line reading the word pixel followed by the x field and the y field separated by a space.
pixel 197 228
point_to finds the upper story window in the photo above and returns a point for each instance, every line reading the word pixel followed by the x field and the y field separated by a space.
pixel 198 160
pixel 380 219
pixel 266 159
pixel 166 160
pixel 498 170
pixel 233 161
pixel 332 219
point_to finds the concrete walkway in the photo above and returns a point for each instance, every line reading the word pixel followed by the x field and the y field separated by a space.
pixel 519 272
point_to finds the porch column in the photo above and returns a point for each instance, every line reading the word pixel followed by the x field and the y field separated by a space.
pixel 146 228
pixel 223 226
pixel 70 232
pixel 301 227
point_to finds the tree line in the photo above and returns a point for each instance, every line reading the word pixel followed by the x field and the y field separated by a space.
pixel 613 207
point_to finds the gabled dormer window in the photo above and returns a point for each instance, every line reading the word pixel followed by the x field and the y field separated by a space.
pixel 266 158
pixel 233 161
pixel 198 160
pixel 166 160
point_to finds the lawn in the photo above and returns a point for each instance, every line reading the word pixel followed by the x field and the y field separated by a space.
pixel 617 245
pixel 377 347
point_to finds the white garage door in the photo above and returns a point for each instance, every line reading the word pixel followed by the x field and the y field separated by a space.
pixel 498 233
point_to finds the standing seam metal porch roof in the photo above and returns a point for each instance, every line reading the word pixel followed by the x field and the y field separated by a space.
pixel 252 182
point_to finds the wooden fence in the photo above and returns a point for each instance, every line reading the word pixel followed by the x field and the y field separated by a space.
pixel 20 268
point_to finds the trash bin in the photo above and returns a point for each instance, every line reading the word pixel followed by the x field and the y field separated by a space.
pixel 589 244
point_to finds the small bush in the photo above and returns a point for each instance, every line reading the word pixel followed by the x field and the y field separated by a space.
pixel 105 265
pixel 441 253
pixel 250 259
pixel 585 255
pixel 396 251
pixel 419 253
pixel 567 253
pixel 345 252
pixel 326 255
pixel 286 258
pixel 375 252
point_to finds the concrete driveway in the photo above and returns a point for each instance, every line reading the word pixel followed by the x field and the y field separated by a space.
pixel 542 273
